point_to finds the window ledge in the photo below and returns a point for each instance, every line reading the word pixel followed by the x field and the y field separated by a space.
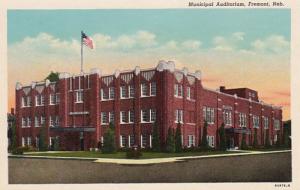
pixel 147 122
pixel 126 98
pixel 79 102
pixel 104 100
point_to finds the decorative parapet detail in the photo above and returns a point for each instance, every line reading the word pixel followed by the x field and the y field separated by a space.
pixel 163 65
pixel 95 71
pixel 18 86
pixel 137 70
pixel 64 75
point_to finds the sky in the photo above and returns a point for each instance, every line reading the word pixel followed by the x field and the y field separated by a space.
pixel 232 47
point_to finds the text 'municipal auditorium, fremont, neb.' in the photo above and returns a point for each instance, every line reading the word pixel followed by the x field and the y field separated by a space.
pixel 78 109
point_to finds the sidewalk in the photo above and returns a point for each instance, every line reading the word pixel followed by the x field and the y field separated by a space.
pixel 153 160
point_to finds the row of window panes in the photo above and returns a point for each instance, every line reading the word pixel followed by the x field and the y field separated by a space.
pixel 40 100
pixel 178 91
pixel 209 114
pixel 178 116
pixel 148 115
pixel 227 117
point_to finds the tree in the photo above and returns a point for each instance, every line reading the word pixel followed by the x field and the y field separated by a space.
pixel 170 141
pixel 56 144
pixel 109 140
pixel 255 143
pixel 287 133
pixel 53 76
pixel 278 142
pixel 13 137
pixel 178 140
pixel 222 137
pixel 244 144
pixel 267 140
pixel 204 143
pixel 43 145
pixel 155 138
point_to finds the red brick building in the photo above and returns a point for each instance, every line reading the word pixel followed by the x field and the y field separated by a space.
pixel 78 109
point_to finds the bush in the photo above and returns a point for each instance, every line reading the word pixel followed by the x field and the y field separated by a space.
pixel 134 153
pixel 170 146
pixel 109 140
pixel 155 138
pixel 178 141
pixel 204 143
pixel 19 150
pixel 222 138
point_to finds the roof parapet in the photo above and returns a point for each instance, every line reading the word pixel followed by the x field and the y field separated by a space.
pixel 163 65
pixel 64 75
pixel 95 71
pixel 18 86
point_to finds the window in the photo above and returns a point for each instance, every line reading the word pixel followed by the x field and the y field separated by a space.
pixel 51 121
pixel 56 123
pixel 122 140
pixel 111 93
pixel 131 116
pixel 145 116
pixel 211 141
pixel 23 102
pixel 131 140
pixel 242 120
pixel 131 91
pixel 79 96
pixel 57 98
pixel 178 90
pixel 29 141
pixel 104 95
pixel 275 138
pixel 104 118
pixel 255 121
pixel 52 99
pixel 29 101
pixel 143 141
pixel 144 90
pixel 227 117
pixel 43 119
pixel 191 140
pixel 23 141
pixel 39 100
pixel 123 91
pixel 266 123
pixel 188 93
pixel 152 115
pixel 111 117
pixel 153 89
pixel 178 116
pixel 276 124
pixel 36 121
pixel 123 117
pixel 28 121
pixel 23 122
pixel 209 114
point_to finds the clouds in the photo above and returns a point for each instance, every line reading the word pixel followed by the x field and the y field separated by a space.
pixel 273 43
pixel 228 43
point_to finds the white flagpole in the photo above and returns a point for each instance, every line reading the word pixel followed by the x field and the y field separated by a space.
pixel 81 68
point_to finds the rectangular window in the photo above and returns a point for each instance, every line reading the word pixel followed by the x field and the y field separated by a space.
pixel 37 100
pixel 255 121
pixel 79 96
pixel 227 117
pixel 131 116
pixel 23 122
pixel 29 101
pixel 104 118
pixel 29 141
pixel 122 140
pixel 179 116
pixel 111 117
pixel 153 89
pixel 144 140
pixel 36 121
pixel 178 90
pixel 145 116
pixel 152 115
pixel 123 117
pixel 131 140
pixel 131 91
pixel 52 99
pixel 37 142
pixel 123 91
pixel 266 123
pixel 28 122
pixel 111 93
pixel 23 102
pixel 144 90
pixel 242 120
pixel 188 93
pixel 209 114
pixel 211 141
pixel 43 120
pixel 23 141
pixel 57 98
pixel 51 121
pixel 56 123
pixel 42 100
pixel 104 95
pixel 276 124
pixel 191 140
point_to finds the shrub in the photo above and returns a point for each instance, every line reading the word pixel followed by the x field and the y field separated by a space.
pixel 19 150
pixel 222 137
pixel 267 139
pixel 244 144
pixel 134 153
pixel 155 138
pixel 204 143
pixel 170 147
pixel 178 141
pixel 109 140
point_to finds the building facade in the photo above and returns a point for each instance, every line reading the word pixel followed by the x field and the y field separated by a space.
pixel 78 109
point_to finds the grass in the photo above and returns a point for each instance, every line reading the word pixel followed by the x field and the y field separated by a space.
pixel 146 155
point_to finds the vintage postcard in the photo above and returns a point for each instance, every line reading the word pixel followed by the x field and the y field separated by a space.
pixel 136 95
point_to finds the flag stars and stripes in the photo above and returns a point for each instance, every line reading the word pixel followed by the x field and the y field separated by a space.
pixel 87 41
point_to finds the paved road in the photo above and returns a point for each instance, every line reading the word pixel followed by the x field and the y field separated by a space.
pixel 251 168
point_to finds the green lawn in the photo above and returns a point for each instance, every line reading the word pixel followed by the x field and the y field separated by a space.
pixel 145 155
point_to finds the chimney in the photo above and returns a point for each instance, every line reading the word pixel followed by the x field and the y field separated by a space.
pixel 222 88
pixel 12 111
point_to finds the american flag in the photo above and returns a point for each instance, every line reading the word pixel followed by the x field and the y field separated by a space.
pixel 87 40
